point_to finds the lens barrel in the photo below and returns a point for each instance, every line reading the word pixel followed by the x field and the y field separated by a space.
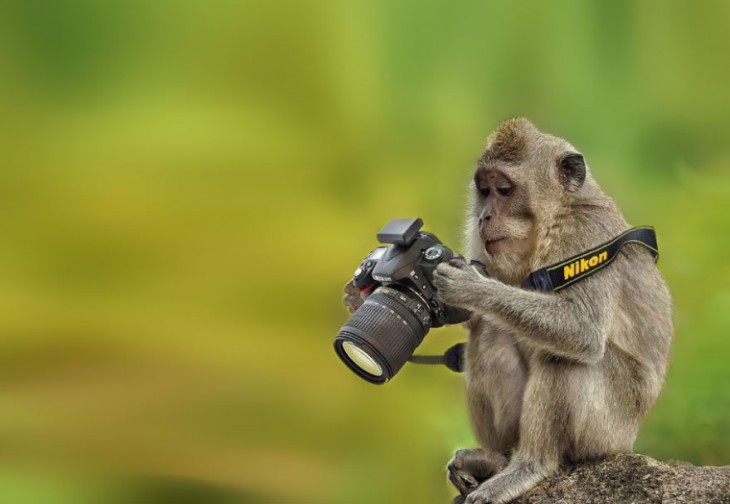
pixel 387 329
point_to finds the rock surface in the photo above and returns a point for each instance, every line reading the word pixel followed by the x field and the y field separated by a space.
pixel 632 479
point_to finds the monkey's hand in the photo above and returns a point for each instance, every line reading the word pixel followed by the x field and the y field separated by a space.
pixel 459 285
pixel 352 299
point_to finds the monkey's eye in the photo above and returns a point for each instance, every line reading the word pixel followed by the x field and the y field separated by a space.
pixel 484 191
pixel 505 191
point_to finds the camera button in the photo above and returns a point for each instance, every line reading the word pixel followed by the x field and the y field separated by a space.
pixel 433 253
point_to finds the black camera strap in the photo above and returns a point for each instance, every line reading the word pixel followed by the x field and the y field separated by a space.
pixel 558 276
pixel 453 358
pixel 578 267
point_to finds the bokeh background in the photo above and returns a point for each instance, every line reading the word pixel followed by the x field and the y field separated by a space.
pixel 185 187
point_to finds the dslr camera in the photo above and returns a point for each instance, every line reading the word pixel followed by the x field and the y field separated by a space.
pixel 400 304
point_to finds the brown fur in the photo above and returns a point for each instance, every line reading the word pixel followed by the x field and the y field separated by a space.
pixel 560 376
pixel 508 144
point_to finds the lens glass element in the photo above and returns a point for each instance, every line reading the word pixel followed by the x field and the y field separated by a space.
pixel 358 356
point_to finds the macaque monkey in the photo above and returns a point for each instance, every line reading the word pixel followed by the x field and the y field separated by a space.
pixel 551 377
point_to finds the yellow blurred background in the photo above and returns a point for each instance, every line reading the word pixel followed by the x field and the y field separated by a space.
pixel 186 186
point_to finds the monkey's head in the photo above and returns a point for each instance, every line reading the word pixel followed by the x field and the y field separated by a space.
pixel 522 183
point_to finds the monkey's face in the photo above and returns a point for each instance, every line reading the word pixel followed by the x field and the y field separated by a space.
pixel 523 179
pixel 502 215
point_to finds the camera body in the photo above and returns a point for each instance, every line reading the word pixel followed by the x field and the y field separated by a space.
pixel 409 262
pixel 400 305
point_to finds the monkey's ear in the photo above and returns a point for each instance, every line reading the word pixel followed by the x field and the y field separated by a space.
pixel 572 171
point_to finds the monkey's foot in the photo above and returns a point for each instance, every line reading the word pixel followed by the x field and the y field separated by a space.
pixel 471 467
pixel 509 484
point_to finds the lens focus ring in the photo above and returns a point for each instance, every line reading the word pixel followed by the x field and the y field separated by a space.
pixel 417 306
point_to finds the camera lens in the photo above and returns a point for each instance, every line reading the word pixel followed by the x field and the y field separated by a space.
pixel 360 358
pixel 382 334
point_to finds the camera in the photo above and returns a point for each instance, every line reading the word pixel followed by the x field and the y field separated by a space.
pixel 400 304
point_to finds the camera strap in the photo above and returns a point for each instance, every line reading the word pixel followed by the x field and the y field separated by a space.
pixel 453 358
pixel 557 276
pixel 578 267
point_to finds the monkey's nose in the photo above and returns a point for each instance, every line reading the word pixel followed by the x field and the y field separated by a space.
pixel 484 219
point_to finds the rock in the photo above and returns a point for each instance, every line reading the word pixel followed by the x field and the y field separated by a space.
pixel 635 479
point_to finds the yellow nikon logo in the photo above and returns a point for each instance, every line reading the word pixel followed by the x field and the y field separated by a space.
pixel 583 265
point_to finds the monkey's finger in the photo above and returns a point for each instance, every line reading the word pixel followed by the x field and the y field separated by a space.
pixel 440 280
pixel 352 303
pixel 444 270
pixel 458 262
pixel 351 289
pixel 464 483
pixel 475 498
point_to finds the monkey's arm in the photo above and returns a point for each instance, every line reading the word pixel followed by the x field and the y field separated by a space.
pixel 569 325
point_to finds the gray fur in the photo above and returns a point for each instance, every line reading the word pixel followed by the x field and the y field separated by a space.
pixel 552 377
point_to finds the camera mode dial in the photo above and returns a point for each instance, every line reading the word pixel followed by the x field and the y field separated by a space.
pixel 433 253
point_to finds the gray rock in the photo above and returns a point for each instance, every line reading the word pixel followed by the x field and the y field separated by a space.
pixel 635 479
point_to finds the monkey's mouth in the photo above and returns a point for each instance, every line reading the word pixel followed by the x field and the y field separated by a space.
pixel 495 245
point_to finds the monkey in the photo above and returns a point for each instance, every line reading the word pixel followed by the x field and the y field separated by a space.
pixel 552 378
pixel 351 297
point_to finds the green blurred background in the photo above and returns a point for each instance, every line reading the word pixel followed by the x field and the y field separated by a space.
pixel 185 187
